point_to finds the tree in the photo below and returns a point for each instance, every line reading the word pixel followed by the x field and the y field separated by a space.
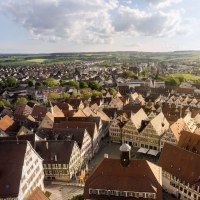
pixel 53 96
pixel 50 82
pixel 172 81
pixel 94 85
pixel 65 95
pixel 37 84
pixel 96 93
pixel 83 84
pixel 1 104
pixel 74 84
pixel 11 81
pixel 103 92
pixel 6 103
pixel 21 100
pixel 128 73
pixel 30 83
pixel 113 91
pixel 2 84
pixel 86 94
pixel 78 197
pixel 63 82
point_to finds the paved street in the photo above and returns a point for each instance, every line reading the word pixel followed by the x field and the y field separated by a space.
pixel 112 149
pixel 61 191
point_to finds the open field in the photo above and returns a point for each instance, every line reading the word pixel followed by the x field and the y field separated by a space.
pixel 106 58
pixel 186 77
pixel 41 60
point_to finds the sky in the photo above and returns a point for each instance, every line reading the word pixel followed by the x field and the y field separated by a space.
pixel 47 26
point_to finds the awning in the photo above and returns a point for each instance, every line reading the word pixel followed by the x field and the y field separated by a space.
pixel 153 152
pixel 142 150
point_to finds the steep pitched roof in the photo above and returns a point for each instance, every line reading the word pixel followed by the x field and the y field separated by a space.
pixel 177 127
pixel 139 176
pixel 5 123
pixel 160 124
pixel 39 112
pixel 11 163
pixel 23 109
pixel 57 112
pixel 79 113
pixel 49 149
pixel 88 112
pixel 86 119
pixel 20 138
pixel 37 194
pixel 181 163
pixel 138 117
pixel 89 126
pixel 70 134
pixel 189 141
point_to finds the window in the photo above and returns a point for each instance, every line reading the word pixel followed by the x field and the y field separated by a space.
pixel 112 192
pixel 123 194
pixel 93 191
pixel 185 191
pixel 129 194
pixel 102 192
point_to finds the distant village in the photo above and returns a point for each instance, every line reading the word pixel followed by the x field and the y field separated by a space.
pixel 54 120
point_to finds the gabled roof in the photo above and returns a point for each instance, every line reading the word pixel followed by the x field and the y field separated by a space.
pixel 189 141
pixel 11 164
pixel 160 123
pixel 177 127
pixel 86 119
pixel 139 176
pixel 116 102
pixel 63 106
pixel 138 117
pixel 21 138
pixel 79 113
pixel 61 149
pixel 5 123
pixel 70 134
pixel 23 109
pixel 37 194
pixel 50 116
pixel 88 112
pixel 57 112
pixel 39 112
pixel 181 163
pixel 89 126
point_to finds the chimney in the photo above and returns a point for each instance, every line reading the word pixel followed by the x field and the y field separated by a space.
pixel 55 158
pixel 125 154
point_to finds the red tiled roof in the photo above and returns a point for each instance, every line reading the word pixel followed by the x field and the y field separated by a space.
pixel 110 175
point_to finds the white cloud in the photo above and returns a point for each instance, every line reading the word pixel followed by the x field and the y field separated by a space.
pixel 162 3
pixel 156 23
pixel 63 19
pixel 95 22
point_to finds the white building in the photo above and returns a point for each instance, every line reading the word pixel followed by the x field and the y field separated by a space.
pixel 21 170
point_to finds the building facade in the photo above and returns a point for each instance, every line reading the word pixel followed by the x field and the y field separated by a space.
pixel 24 170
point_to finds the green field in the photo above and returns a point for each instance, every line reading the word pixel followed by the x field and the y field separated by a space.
pixel 186 77
pixel 37 60
pixel 102 58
